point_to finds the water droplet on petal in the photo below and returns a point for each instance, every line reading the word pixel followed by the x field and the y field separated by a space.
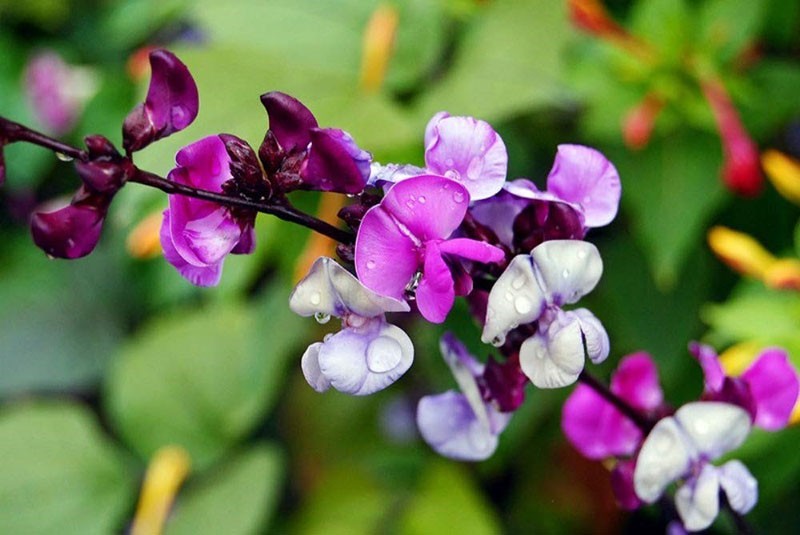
pixel 327 337
pixel 522 305
pixel 322 318
pixel 383 354
pixel 315 298
pixel 509 296
pixel 370 264
pixel 475 168
pixel 50 257
pixel 582 253
pixel 499 340
pixel 565 273
pixel 422 200
pixel 518 283
pixel 458 196
pixel 63 157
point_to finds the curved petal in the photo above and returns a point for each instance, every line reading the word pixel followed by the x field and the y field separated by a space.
pixel 205 164
pixel 200 274
pixel 567 269
pixel 428 206
pixel 172 100
pixel 664 457
pixel 436 291
pixel 515 299
pixel 430 129
pixel 335 163
pixel 739 485
pixel 363 361
pixel 584 176
pixel 448 424
pixel 622 485
pixel 465 369
pixel 473 250
pixel 596 428
pixel 202 240
pixel 311 370
pixel 469 151
pixel 289 120
pixel 773 382
pixel 713 374
pixel 498 213
pixel 328 288
pixel 390 173
pixel 697 501
pixel 386 259
pixel 713 428
pixel 636 381
pixel 595 337
pixel 555 357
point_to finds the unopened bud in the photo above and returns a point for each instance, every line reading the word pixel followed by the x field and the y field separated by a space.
pixel 270 153
pixel 784 274
pixel 546 220
pixel 289 120
pixel 72 231
pixel 244 165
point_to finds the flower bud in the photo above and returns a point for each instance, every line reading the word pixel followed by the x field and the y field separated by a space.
pixel 72 231
pixel 245 167
pixel 289 120
pixel 335 162
pixel 544 220
pixel 506 383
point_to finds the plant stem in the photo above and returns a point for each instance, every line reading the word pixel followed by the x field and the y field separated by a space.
pixel 641 421
pixel 11 132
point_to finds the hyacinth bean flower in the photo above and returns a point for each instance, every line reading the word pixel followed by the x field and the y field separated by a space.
pixel 767 389
pixel 70 231
pixel 596 427
pixel 368 354
pixel 331 160
pixel 533 288
pixel 681 447
pixel 405 242
pixel 461 425
pixel 171 104
pixel 197 235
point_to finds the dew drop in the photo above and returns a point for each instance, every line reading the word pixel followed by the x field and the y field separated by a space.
pixel 383 354
pixel 509 296
pixel 458 196
pixel 582 253
pixel 327 337
pixel 422 200
pixel 322 318
pixel 522 305
pixel 63 157
pixel 565 273
pixel 315 298
pixel 518 283
pixel 50 257
pixel 370 264
pixel 498 340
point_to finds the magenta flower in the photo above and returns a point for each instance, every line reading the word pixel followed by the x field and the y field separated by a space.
pixel 467 150
pixel 681 448
pixel 405 242
pixel 768 389
pixel 171 104
pixel 461 425
pixel 328 159
pixel 595 427
pixel 369 353
pixel 71 231
pixel 196 235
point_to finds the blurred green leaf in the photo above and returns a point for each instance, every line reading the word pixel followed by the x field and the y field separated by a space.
pixel 510 59
pixel 58 473
pixel 447 501
pixel 418 43
pixel 663 24
pixel 130 23
pixel 203 378
pixel 671 189
pixel 237 498
pixel 797 238
pixel 725 27
pixel 49 14
pixel 765 104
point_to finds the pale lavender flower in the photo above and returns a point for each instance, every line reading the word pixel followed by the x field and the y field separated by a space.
pixel 404 245
pixel 533 288
pixel 368 354
pixel 461 425
pixel 197 235
pixel 681 447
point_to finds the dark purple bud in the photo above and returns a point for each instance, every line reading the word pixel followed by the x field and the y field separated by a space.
pixel 736 392
pixel 99 146
pixel 289 120
pixel 543 220
pixel 106 171
pixel 270 153
pixel 171 104
pixel 245 168
pixel 72 231
pixel 247 241
pixel 505 383
pixel 335 163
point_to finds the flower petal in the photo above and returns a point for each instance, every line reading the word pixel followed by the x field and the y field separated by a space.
pixel 773 382
pixel 289 120
pixel 713 428
pixel 465 369
pixel 335 163
pixel 713 374
pixel 197 274
pixel 567 269
pixel 636 381
pixel 172 100
pixel 469 151
pixel 311 370
pixel 664 457
pixel 595 337
pixel 436 291
pixel 363 361
pixel 515 299
pixel 554 358
pixel 622 485
pixel 697 501
pixel 739 485
pixel 473 250
pixel 328 288
pixel 584 176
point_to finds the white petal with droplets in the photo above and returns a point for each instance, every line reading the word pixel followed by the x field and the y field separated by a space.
pixel 664 457
pixel 567 269
pixel 310 366
pixel 714 428
pixel 515 299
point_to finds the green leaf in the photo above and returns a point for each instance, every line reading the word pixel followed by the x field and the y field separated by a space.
pixel 663 24
pixel 671 189
pixel 59 474
pixel 447 501
pixel 203 379
pixel 237 498
pixel 510 59
pixel 725 27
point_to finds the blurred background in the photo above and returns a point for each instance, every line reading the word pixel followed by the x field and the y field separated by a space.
pixel 107 360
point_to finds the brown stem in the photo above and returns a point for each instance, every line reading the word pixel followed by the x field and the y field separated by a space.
pixel 641 421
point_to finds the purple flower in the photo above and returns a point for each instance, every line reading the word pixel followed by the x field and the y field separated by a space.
pixel 328 158
pixel 196 235
pixel 403 242
pixel 71 231
pixel 533 288
pixel 57 91
pixel 595 427
pixel 467 150
pixel 680 447
pixel 768 389
pixel 171 104
pixel 368 354
pixel 461 425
